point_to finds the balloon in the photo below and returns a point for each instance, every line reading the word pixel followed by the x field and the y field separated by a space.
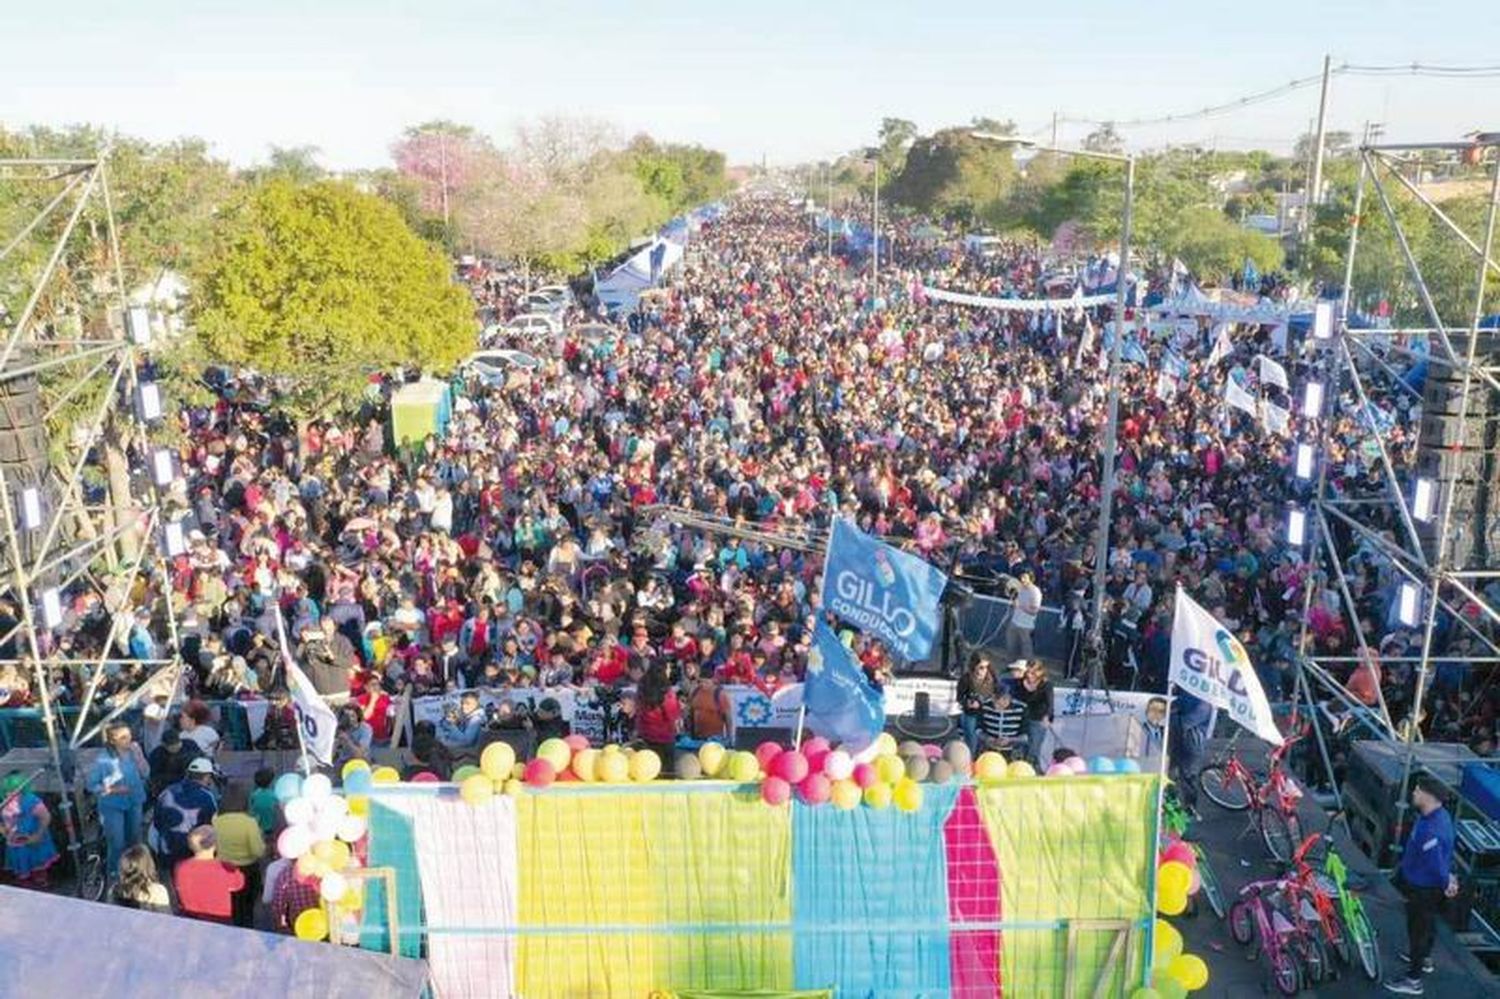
pixel 845 794
pixel 1196 884
pixel 645 766
pixel 335 806
pixel 765 753
pixel 990 766
pixel 1060 770
pixel 359 782
pixel 518 772
pixel 287 787
pixel 463 773
pixel 932 750
pixel 1170 988
pixel 513 788
pixel 885 744
pixel 323 850
pixel 1168 942
pixel 910 748
pixel 890 768
pixel 941 773
pixel 1190 970
pixel 317 787
pixel 555 752
pixel 497 759
pixel 585 765
pixel 351 766
pixel 298 812
pixel 744 767
pixel 294 841
pixel 1171 904
pixel 425 777
pixel 1126 765
pixel 878 795
pixel 1173 878
pixel 815 760
pixel 814 789
pixel 917 768
pixel 333 887
pixel 577 743
pixel 1077 764
pixel 791 766
pixel 864 775
pixel 386 775
pixel 1101 765
pixel 817 744
pixel 775 791
pixel 359 805
pixel 567 777
pixel 688 767
pixel 1180 852
pixel 1020 768
pixel 325 827
pixel 541 773
pixel 838 765
pixel 354 898
pixel 309 868
pixel 476 789
pixel 310 924
pixel 352 828
pixel 907 795
pixel 611 768
pixel 958 751
pixel 712 756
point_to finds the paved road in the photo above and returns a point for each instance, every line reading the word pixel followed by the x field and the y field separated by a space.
pixel 1239 856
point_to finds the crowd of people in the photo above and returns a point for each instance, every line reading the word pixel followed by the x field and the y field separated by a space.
pixel 770 387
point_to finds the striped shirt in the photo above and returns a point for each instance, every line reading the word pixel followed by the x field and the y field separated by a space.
pixel 1002 723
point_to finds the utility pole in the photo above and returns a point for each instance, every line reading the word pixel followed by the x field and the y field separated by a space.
pixel 875 257
pixel 1316 184
pixel 1053 143
pixel 443 167
pixel 828 222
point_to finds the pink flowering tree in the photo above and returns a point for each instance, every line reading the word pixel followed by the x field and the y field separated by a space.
pixel 442 158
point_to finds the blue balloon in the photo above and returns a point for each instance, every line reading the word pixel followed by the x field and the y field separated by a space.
pixel 1126 765
pixel 287 787
pixel 1101 765
pixel 359 782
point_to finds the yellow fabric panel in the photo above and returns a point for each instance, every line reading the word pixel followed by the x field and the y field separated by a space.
pixel 614 861
pixel 1069 848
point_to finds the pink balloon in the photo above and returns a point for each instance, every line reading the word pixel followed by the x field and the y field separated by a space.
pixel 933 752
pixel 1182 853
pixel 540 773
pixel 815 790
pixel 775 791
pixel 765 753
pixel 791 766
pixel 817 744
pixel 1077 764
pixel 816 759
pixel 577 743
pixel 1195 883
pixel 1060 770
pixel 864 774
pixel 425 777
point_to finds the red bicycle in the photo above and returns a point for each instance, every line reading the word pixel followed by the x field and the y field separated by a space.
pixel 1272 803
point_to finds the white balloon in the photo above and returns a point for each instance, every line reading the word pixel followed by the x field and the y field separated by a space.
pixel 294 842
pixel 317 788
pixel 352 828
pixel 325 827
pixel 333 887
pixel 838 765
pixel 298 811
pixel 335 806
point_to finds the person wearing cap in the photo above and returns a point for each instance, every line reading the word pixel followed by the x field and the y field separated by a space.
pixel 206 885
pixel 181 808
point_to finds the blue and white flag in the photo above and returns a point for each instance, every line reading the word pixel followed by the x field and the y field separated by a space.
pixel 1174 365
pixel 882 591
pixel 316 723
pixel 841 703
pixel 1133 353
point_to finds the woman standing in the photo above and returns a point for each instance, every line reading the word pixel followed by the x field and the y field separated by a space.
pixel 26 822
pixel 138 886
pixel 659 714
pixel 1036 693
pixel 118 780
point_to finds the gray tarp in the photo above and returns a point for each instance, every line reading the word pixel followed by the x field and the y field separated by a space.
pixel 56 946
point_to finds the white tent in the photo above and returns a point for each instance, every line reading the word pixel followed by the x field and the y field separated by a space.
pixel 624 285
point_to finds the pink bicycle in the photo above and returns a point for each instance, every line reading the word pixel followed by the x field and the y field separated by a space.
pixel 1272 803
pixel 1257 921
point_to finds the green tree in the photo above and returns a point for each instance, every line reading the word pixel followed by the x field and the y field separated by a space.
pixel 953 175
pixel 322 283
pixel 1104 139
pixel 298 164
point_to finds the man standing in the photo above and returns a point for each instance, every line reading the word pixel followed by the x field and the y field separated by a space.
pixel 181 808
pixel 1023 618
pixel 1425 876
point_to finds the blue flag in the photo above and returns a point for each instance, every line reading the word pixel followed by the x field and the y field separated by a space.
pixel 1174 365
pixel 882 590
pixel 841 702
pixel 1133 353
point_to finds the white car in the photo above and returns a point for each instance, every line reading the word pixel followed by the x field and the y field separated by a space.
pixel 530 328
pixel 494 367
pixel 551 300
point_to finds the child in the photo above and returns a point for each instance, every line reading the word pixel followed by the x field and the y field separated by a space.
pixel 206 884
pixel 263 803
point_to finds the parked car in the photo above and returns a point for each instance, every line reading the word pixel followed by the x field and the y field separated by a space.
pixel 494 367
pixel 531 328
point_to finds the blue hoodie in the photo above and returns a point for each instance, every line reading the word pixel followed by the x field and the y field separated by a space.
pixel 1427 860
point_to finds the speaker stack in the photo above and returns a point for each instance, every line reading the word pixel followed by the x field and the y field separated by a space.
pixel 1469 473
pixel 23 459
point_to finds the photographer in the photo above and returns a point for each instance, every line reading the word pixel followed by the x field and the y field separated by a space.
pixel 461 725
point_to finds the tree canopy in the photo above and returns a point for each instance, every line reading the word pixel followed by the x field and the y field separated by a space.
pixel 320 284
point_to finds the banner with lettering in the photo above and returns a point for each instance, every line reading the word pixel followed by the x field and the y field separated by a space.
pixel 882 590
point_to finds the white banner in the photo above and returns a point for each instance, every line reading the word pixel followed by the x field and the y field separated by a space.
pixel 1236 396
pixel 1211 664
pixel 1272 373
pixel 1018 304
pixel 315 719
pixel 1275 419
pixel 1069 702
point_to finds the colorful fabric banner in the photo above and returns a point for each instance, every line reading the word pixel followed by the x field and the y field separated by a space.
pixel 841 703
pixel 882 590
pixel 1211 664
pixel 973 899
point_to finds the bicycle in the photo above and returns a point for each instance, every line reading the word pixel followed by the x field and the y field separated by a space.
pixel 1272 803
pixel 1175 820
pixel 1351 909
pixel 1261 926
pixel 91 872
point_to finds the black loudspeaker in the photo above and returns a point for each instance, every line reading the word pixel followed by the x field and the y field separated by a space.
pixel 23 457
pixel 1469 473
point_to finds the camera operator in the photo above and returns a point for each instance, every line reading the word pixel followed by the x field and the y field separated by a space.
pixel 462 723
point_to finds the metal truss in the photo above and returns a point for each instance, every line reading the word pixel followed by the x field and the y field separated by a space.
pixel 75 339
pixel 1380 527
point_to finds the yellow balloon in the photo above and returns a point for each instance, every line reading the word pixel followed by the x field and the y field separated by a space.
pixel 309 866
pixel 712 756
pixel 989 766
pixel 645 766
pixel 352 766
pixel 476 789
pixel 744 767
pixel 386 775
pixel 1172 904
pixel 311 924
pixel 555 752
pixel 890 769
pixel 610 748
pixel 878 795
pixel 1173 878
pixel 497 760
pixel 340 855
pixel 1189 970
pixel 907 795
pixel 1168 942
pixel 514 788
pixel 1020 768
pixel 518 771
pixel 359 805
pixel 613 768
pixel 323 850
pixel 885 745
pixel 845 794
pixel 586 765
pixel 354 898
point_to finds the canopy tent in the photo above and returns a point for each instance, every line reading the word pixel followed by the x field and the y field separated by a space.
pixel 64 946
pixel 418 409
pixel 1225 309
pixel 644 269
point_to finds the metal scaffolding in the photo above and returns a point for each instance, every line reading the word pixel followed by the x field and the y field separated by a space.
pixel 1404 520
pixel 84 516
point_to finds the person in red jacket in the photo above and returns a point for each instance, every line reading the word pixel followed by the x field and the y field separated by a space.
pixel 206 884
pixel 658 714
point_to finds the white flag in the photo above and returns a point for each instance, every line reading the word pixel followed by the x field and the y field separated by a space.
pixel 1211 664
pixel 1236 396
pixel 1275 419
pixel 1272 373
pixel 1223 345
pixel 1085 342
pixel 1166 386
pixel 315 720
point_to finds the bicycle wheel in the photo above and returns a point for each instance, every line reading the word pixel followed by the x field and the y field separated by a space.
pixel 1357 928
pixel 1281 833
pixel 1224 790
pixel 1241 923
pixel 1285 972
pixel 91 876
pixel 1314 957
pixel 1210 882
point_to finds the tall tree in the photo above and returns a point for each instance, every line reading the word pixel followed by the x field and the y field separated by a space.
pixel 298 164
pixel 441 158
pixel 1104 139
pixel 954 175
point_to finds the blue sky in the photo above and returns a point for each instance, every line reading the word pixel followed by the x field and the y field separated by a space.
pixel 787 80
